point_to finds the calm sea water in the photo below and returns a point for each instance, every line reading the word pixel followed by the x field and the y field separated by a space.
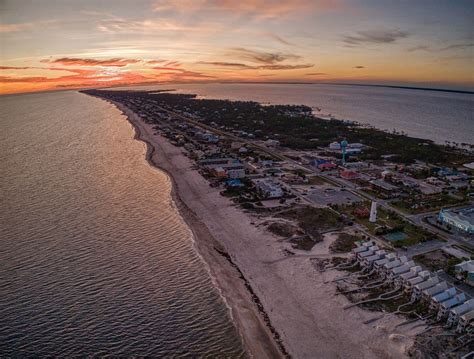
pixel 94 258
pixel 439 116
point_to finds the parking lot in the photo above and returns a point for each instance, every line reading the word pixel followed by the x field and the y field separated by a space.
pixel 324 195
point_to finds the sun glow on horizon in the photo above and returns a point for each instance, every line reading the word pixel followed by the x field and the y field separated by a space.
pixel 51 46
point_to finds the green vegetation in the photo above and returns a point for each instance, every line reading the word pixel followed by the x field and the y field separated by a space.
pixel 390 222
pixel 294 126
pixel 437 260
pixel 313 220
pixel 284 229
pixel 344 243
pixel 305 243
pixel 420 204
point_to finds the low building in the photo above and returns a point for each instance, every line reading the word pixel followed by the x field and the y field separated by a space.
pixel 445 306
pixel 459 310
pixel 217 161
pixel 383 186
pixel 327 166
pixel 272 143
pixel 268 189
pixel 349 175
pixel 465 271
pixel 442 297
pixel 460 219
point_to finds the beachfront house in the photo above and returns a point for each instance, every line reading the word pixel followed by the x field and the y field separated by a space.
pixel 268 188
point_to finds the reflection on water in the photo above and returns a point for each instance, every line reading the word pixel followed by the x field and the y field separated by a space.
pixel 94 258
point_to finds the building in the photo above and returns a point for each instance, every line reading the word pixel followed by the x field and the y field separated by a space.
pixel 383 186
pixel 217 161
pixel 272 143
pixel 349 175
pixel 465 271
pixel 327 166
pixel 268 189
pixel 460 219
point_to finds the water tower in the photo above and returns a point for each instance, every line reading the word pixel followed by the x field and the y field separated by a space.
pixel 343 148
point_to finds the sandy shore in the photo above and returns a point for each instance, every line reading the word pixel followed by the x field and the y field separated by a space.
pixel 249 267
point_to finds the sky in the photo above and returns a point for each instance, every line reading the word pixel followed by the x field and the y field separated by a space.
pixel 66 44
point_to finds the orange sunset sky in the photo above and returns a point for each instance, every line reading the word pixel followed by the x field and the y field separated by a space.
pixel 51 45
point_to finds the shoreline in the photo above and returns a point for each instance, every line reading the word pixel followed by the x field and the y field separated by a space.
pixel 280 305
pixel 231 275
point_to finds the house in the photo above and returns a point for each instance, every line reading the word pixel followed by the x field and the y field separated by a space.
pixel 459 310
pixel 266 163
pixel 335 146
pixel 466 320
pixel 429 293
pixel 268 189
pixel 235 183
pixel 271 143
pixel 420 287
pixel 217 161
pixel 318 161
pixel 465 271
pixel 327 166
pixel 442 297
pixel 445 306
pixel 218 172
pixel 383 186
pixel 402 279
pixel 348 175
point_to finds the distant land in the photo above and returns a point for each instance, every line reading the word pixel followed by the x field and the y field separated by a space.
pixel 350 84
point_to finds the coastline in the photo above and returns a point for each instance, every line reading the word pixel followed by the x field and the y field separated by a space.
pixel 257 339
pixel 278 303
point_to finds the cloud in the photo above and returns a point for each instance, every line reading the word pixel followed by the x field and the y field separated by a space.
pixel 375 37
pixel 259 9
pixel 71 61
pixel 226 64
pixel 262 57
pixel 280 39
pixel 285 67
pixel 242 66
pixel 5 28
pixel 419 48
pixel 359 67
pixel 315 74
pixel 461 46
pixel 14 68
pixel 155 62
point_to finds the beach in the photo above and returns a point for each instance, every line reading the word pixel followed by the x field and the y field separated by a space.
pixel 281 305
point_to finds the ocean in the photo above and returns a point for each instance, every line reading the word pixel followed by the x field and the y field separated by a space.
pixel 435 115
pixel 94 258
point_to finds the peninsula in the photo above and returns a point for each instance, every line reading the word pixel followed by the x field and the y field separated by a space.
pixel 282 202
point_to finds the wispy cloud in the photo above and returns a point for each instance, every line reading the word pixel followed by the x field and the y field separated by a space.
pixel 259 9
pixel 419 48
pixel 375 37
pixel 243 66
pixel 71 61
pixel 459 46
pixel 315 74
pixel 359 67
pixel 17 27
pixel 261 57
pixel 280 39
pixel 226 64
